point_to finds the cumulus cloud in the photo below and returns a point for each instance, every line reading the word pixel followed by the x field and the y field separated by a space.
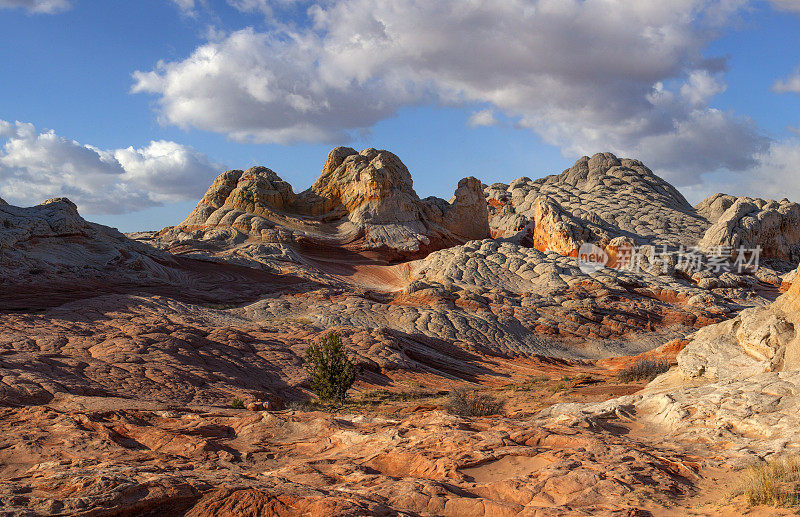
pixel 262 6
pixel 264 88
pixel 35 166
pixel 187 6
pixel 775 175
pixel 790 84
pixel 701 87
pixel 37 6
pixel 587 75
pixel 787 5
pixel 483 118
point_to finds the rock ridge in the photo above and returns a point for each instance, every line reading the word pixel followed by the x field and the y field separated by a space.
pixel 362 200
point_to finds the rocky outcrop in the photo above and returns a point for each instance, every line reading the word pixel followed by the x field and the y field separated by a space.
pixel 712 207
pixel 556 230
pixel 371 187
pixel 745 222
pixel 362 200
pixel 596 200
pixel 50 255
pixel 236 197
pixel 53 240
pixel 735 388
pixel 758 340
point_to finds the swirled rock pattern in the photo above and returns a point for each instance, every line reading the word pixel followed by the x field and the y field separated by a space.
pixel 120 355
pixel 596 200
pixel 362 200
pixel 749 223
pixel 735 389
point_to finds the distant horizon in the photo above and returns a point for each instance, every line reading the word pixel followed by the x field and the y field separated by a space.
pixel 444 196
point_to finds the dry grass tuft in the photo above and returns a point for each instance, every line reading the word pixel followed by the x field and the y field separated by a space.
pixel 773 483
pixel 643 370
pixel 466 402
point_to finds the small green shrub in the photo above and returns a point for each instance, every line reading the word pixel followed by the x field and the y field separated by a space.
pixel 774 483
pixel 330 371
pixel 643 370
pixel 466 402
pixel 237 403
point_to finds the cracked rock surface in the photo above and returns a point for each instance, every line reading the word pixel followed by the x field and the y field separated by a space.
pixel 120 356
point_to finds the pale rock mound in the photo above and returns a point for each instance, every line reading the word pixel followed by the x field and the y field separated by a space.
pixel 596 200
pixel 53 239
pixel 758 340
pixel 735 390
pixel 362 200
pixel 50 255
pixel 748 222
pixel 49 252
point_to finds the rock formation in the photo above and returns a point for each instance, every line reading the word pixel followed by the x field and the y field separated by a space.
pixel 120 355
pixel 50 248
pixel 362 200
pixel 50 255
pixel 596 200
pixel 734 389
pixel 758 340
pixel 746 222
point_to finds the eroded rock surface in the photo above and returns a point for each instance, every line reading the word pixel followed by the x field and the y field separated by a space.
pixel 596 200
pixel 362 200
pixel 749 223
pixel 735 389
pixel 50 255
pixel 119 357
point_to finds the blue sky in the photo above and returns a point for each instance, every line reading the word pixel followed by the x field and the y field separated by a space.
pixel 166 94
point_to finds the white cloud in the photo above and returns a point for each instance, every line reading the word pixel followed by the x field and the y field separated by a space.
pixel 701 87
pixel 587 75
pixel 483 118
pixel 186 6
pixel 36 166
pixel 262 88
pixel 705 140
pixel 263 6
pixel 269 8
pixel 775 175
pixel 790 84
pixel 787 5
pixel 37 6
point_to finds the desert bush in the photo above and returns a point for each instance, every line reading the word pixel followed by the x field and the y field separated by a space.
pixel 561 386
pixel 379 396
pixel 643 370
pixel 237 403
pixel 530 384
pixel 305 405
pixel 466 402
pixel 774 483
pixel 330 371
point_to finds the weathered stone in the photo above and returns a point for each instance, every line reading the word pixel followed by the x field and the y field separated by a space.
pixel 362 200
pixel 749 223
